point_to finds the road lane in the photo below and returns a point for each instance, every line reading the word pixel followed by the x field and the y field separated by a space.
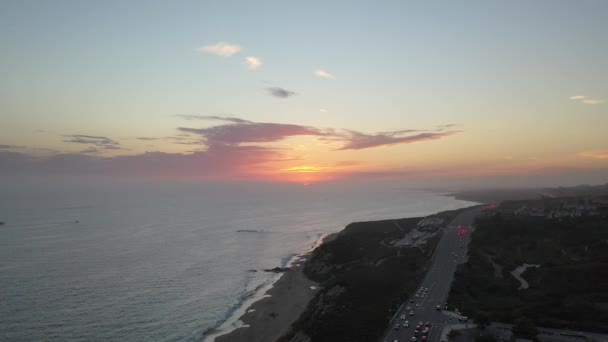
pixel 450 252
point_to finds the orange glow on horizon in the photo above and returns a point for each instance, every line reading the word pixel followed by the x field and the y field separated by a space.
pixel 305 169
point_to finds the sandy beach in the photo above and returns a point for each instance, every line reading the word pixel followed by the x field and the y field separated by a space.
pixel 271 317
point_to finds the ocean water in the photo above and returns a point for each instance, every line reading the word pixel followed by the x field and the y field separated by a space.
pixel 168 261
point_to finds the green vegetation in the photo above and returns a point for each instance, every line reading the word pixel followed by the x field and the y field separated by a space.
pixel 482 320
pixel 486 338
pixel 569 290
pixel 525 328
pixel 453 334
pixel 364 280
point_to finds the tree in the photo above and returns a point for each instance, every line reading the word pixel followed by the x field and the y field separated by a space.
pixel 453 334
pixel 525 328
pixel 482 320
pixel 486 338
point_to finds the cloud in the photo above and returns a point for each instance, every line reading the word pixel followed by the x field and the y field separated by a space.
pixel 393 133
pixel 97 143
pixel 236 133
pixel 320 73
pixel 221 49
pixel 90 139
pixel 592 101
pixel 360 141
pixel 238 162
pixel 230 149
pixel 280 92
pixel 443 127
pixel 10 147
pixel 597 154
pixel 585 100
pixel 212 117
pixel 252 62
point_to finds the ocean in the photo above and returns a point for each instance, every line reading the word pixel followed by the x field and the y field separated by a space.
pixel 164 261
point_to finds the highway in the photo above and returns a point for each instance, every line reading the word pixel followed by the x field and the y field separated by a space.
pixel 451 251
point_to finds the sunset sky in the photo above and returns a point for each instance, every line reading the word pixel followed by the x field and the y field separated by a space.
pixel 305 91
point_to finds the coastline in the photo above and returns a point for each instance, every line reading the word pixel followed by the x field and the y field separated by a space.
pixel 271 317
pixel 268 315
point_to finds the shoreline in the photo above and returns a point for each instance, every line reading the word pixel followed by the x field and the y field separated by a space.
pixel 277 290
pixel 270 317
pixel 269 314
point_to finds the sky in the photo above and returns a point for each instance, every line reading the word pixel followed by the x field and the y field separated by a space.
pixel 510 92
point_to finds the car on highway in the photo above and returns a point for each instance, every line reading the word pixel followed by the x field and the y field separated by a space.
pixel 427 324
pixel 406 324
pixel 411 312
pixel 417 305
pixel 416 332
pixel 438 308
pixel 413 339
pixel 411 300
pixel 423 338
pixel 396 326
pixel 408 308
pixel 417 296
pixel 402 316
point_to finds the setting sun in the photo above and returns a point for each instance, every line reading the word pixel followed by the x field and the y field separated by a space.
pixel 304 169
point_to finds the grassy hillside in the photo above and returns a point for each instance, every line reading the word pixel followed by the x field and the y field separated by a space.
pixel 364 280
pixel 569 290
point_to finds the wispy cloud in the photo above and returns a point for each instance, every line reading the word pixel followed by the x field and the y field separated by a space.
pixel 97 143
pixel 230 148
pixel 280 92
pixel 221 49
pixel 442 127
pixel 592 101
pixel 359 141
pixel 10 147
pixel 597 154
pixel 320 73
pixel 212 117
pixel 236 133
pixel 252 62
pixel 238 162
pixel 585 100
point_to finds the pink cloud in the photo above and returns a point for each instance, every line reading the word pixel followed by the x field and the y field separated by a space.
pixel 359 141
pixel 216 162
pixel 597 154
pixel 226 150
